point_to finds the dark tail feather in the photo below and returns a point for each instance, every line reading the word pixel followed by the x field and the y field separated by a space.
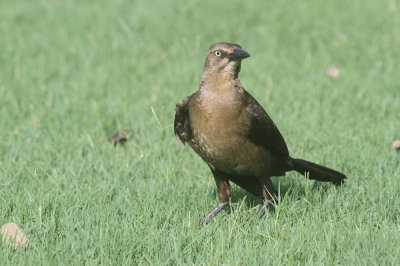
pixel 317 172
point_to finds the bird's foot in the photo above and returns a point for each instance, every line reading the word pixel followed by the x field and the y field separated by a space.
pixel 263 208
pixel 212 213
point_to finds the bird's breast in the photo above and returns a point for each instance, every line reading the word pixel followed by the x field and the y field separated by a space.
pixel 220 129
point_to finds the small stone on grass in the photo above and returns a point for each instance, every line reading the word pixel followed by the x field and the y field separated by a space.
pixel 333 73
pixel 396 144
pixel 12 234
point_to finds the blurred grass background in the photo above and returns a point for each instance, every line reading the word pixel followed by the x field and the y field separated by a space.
pixel 73 72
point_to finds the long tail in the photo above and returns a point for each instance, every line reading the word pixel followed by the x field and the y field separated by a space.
pixel 317 172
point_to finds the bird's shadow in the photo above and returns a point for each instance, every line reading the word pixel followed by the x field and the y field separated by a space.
pixel 284 189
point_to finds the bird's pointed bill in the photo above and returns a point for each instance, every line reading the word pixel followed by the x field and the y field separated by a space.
pixel 238 54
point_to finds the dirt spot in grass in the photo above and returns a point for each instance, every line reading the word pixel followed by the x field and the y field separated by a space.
pixel 13 235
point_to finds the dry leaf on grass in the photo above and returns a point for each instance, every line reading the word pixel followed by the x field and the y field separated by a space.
pixel 117 137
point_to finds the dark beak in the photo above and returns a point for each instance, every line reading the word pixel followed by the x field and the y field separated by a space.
pixel 238 54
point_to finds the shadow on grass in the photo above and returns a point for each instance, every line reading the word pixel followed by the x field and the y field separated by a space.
pixel 289 188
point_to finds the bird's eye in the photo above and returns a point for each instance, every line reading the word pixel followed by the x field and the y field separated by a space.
pixel 217 53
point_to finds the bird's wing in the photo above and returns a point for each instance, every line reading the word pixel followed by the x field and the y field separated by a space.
pixel 263 131
pixel 183 131
pixel 182 128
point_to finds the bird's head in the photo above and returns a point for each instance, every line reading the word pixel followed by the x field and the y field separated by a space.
pixel 224 59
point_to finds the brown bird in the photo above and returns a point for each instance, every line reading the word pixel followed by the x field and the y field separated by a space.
pixel 233 134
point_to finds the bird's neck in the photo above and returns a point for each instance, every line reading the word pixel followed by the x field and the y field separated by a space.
pixel 217 82
pixel 225 74
pixel 220 86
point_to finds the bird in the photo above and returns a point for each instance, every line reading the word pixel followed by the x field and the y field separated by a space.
pixel 234 135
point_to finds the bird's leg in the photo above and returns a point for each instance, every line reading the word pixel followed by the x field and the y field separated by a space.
pixel 268 189
pixel 224 193
pixel 212 213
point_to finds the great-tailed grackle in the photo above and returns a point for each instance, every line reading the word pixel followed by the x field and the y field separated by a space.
pixel 233 134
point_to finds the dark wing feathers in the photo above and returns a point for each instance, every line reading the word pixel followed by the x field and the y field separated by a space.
pixel 263 131
pixel 182 128
pixel 183 131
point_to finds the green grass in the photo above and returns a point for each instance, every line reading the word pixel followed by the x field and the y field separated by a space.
pixel 73 72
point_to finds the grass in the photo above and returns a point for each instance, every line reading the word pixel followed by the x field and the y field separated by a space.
pixel 73 72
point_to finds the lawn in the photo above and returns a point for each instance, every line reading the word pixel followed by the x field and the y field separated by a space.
pixel 74 72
